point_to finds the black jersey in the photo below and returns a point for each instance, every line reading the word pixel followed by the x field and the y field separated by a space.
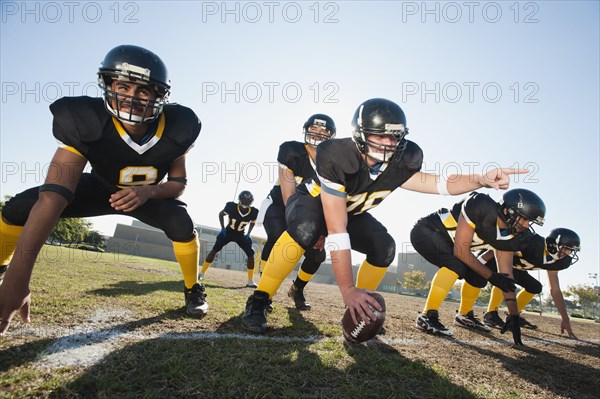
pixel 82 125
pixel 535 256
pixel 293 155
pixel 342 171
pixel 481 212
pixel 239 217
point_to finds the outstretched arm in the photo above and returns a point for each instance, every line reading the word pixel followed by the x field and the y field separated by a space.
pixel 64 171
pixel 498 178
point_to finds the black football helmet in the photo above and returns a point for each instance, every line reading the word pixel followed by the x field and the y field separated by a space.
pixel 521 202
pixel 138 65
pixel 379 116
pixel 246 198
pixel 322 121
pixel 563 238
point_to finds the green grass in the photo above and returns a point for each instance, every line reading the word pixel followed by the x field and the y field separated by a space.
pixel 77 294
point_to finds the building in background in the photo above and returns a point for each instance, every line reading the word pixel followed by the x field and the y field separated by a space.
pixel 139 239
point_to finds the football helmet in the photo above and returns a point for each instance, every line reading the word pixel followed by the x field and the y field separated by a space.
pixel 246 198
pixel 563 238
pixel 379 116
pixel 521 202
pixel 322 121
pixel 137 65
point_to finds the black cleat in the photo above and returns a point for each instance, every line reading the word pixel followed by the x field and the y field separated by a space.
pixel 526 324
pixel 255 316
pixel 430 322
pixel 195 301
pixel 493 319
pixel 298 296
pixel 470 321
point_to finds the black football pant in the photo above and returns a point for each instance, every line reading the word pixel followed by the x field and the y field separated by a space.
pixel 437 248
pixel 91 199
pixel 306 223
pixel 275 225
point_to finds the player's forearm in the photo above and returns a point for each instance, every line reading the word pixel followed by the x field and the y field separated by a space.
pixel 341 263
pixel 559 302
pixel 467 257
pixel 42 220
pixel 460 184
pixel 170 189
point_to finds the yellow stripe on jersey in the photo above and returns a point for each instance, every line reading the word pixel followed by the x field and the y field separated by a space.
pixel 73 150
pixel 159 130
pixel 448 220
pixel 313 189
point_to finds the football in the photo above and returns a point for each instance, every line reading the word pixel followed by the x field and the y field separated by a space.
pixel 362 331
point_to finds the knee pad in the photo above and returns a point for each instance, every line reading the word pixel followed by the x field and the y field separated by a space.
pixel 383 249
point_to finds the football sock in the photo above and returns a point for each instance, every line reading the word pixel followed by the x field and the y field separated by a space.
pixel 188 257
pixel 250 274
pixel 441 285
pixel 9 234
pixel 369 276
pixel 285 255
pixel 468 296
pixel 495 299
pixel 523 298
pixel 205 267
pixel 302 279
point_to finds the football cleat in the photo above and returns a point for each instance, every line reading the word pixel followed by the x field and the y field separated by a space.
pixel 195 301
pixel 493 319
pixel 251 284
pixel 430 323
pixel 526 324
pixel 298 296
pixel 255 316
pixel 200 276
pixel 470 321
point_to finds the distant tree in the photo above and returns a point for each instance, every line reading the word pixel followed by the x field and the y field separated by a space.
pixel 485 294
pixel 93 237
pixel 415 280
pixel 586 296
pixel 71 231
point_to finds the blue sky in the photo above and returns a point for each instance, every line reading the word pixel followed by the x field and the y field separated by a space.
pixel 482 84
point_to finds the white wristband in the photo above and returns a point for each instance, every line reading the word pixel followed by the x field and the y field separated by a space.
pixel 442 186
pixel 338 242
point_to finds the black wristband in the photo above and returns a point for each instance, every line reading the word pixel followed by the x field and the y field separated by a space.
pixel 181 180
pixel 510 299
pixel 55 188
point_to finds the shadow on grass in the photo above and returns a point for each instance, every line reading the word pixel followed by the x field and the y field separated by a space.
pixel 131 287
pixel 562 376
pixel 265 366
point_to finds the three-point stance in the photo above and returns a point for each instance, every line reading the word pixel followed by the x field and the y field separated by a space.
pixel 133 139
pixel 240 215
pixel 447 239
pixel 353 176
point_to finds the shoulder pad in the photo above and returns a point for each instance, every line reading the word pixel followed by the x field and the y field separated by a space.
pixel 78 120
pixel 339 152
pixel 182 124
pixel 289 151
pixel 412 157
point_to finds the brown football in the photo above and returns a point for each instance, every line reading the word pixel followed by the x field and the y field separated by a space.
pixel 362 331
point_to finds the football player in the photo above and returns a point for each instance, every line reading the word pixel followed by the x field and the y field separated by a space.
pixel 296 164
pixel 554 253
pixel 133 139
pixel 353 176
pixel 447 239
pixel 240 215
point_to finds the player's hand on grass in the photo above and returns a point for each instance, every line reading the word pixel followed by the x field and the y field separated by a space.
pixel 14 298
pixel 513 323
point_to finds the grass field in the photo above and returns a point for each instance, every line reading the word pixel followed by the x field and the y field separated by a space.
pixel 110 326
